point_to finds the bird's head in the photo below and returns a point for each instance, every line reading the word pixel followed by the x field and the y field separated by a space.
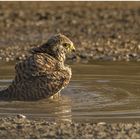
pixel 57 46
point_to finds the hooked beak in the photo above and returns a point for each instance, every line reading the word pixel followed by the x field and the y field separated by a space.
pixel 73 48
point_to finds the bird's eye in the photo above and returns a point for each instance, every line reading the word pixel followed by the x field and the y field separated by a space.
pixel 66 45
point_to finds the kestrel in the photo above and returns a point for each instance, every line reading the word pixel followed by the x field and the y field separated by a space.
pixel 42 74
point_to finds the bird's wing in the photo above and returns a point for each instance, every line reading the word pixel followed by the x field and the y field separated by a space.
pixel 35 65
pixel 41 74
pixel 55 75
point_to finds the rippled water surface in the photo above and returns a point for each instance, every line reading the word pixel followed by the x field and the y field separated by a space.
pixel 102 91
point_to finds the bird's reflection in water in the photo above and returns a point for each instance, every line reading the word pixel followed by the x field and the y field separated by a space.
pixel 60 108
pixel 48 109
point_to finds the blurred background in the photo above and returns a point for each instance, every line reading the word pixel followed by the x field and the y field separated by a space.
pixel 100 30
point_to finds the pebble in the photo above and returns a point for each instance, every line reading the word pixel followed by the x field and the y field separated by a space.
pixel 139 47
pixel 7 59
pixel 101 123
pixel 21 116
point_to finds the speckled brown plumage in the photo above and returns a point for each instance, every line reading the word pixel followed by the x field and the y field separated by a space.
pixel 43 73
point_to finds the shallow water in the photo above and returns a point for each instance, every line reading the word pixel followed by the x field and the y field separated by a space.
pixel 99 91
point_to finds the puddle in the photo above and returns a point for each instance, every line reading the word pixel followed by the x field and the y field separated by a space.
pixel 99 91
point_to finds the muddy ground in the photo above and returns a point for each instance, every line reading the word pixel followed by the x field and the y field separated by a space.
pixel 107 31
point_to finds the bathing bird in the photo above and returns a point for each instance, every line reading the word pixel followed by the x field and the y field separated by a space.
pixel 43 73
